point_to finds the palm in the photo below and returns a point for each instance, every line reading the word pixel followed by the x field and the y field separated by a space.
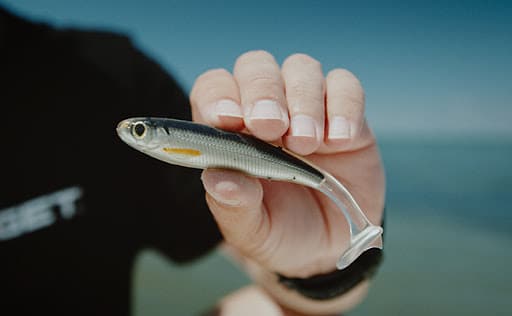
pixel 298 214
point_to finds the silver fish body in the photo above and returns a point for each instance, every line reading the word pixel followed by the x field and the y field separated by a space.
pixel 198 146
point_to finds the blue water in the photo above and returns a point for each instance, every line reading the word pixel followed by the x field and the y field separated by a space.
pixel 470 181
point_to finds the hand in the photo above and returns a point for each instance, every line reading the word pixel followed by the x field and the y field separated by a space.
pixel 283 227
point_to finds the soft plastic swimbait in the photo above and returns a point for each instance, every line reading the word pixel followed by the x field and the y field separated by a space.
pixel 198 146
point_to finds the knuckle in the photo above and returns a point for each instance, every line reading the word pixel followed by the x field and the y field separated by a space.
pixel 262 79
pixel 257 69
pixel 261 245
pixel 343 75
pixel 301 59
pixel 213 74
pixel 300 88
pixel 254 55
pixel 343 83
pixel 211 84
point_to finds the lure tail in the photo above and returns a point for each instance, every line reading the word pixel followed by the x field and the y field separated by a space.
pixel 363 234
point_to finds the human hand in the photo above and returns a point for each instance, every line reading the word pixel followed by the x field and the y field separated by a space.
pixel 284 227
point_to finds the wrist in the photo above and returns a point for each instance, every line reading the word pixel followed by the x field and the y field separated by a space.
pixel 330 285
pixel 293 300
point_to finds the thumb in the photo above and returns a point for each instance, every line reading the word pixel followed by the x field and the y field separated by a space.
pixel 235 201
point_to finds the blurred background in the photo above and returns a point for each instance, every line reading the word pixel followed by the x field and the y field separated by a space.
pixel 438 83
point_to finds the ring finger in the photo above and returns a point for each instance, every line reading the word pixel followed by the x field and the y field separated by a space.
pixel 262 95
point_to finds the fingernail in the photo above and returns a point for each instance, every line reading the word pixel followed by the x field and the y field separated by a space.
pixel 267 110
pixel 228 108
pixel 339 128
pixel 303 126
pixel 267 120
pixel 355 129
pixel 222 186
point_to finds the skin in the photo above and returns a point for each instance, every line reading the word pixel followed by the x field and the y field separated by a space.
pixel 280 227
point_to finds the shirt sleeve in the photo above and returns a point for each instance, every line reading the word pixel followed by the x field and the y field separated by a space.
pixel 164 203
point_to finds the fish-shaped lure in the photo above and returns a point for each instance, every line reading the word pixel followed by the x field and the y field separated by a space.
pixel 199 146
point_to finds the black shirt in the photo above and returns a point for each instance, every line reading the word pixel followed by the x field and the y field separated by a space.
pixel 77 204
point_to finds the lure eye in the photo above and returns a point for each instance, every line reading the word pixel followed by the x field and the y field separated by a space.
pixel 139 130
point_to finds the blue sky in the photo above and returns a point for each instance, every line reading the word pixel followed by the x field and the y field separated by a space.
pixel 430 69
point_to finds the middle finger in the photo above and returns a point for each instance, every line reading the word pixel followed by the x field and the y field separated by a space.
pixel 262 95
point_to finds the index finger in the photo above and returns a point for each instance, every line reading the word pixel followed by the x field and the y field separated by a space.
pixel 215 100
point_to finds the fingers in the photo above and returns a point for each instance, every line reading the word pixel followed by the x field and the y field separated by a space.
pixel 262 95
pixel 215 100
pixel 345 107
pixel 310 113
pixel 236 202
pixel 304 83
pixel 245 218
